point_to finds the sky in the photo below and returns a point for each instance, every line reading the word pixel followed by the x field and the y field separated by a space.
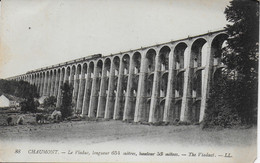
pixel 36 34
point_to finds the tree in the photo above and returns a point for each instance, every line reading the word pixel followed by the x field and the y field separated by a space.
pixel 241 53
pixel 29 105
pixel 66 102
pixel 222 103
pixel 233 96
pixel 21 88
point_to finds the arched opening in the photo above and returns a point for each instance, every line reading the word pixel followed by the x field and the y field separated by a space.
pixel 107 67
pixel 125 66
pixel 163 85
pixel 67 74
pixel 164 58
pixel 199 56
pixel 218 43
pixel 104 91
pixel 195 113
pixel 46 84
pixel 114 80
pixel 88 85
pixel 79 71
pixel 53 82
pixel 159 111
pixel 84 74
pixel 199 52
pixel 146 110
pixel 180 56
pixel 137 62
pixel 95 96
pixel 76 84
pixel 179 84
pixel 150 85
pixel 197 84
pixel 82 82
pixel 134 88
pixel 72 76
pixel 177 110
pixel 150 56
pixel 57 81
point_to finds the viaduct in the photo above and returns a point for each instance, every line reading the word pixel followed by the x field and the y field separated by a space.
pixel 160 83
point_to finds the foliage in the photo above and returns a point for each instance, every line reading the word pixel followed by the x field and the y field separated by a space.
pixel 49 102
pixel 29 105
pixel 66 102
pixel 241 53
pixel 21 88
pixel 221 110
pixel 233 97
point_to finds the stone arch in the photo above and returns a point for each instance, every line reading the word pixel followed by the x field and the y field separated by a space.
pixel 84 69
pixel 107 67
pixel 78 70
pixel 96 83
pixel 164 58
pixel 91 69
pixel 76 85
pixel 116 62
pixel 216 47
pixel 198 59
pixel 53 78
pixel 104 87
pixel 137 62
pixel 57 81
pixel 125 66
pixel 99 67
pixel 179 52
pixel 67 74
pixel 150 56
pixel 72 75
pixel 197 52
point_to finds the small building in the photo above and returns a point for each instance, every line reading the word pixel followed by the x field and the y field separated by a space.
pixel 9 101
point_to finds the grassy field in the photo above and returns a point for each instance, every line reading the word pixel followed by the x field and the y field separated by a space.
pixel 101 131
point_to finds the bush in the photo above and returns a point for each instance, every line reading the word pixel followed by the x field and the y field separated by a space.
pixel 29 105
pixel 49 102
pixel 226 104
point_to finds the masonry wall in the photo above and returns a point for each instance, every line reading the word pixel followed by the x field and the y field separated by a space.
pixel 166 82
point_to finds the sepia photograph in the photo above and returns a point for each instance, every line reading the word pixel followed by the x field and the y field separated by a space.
pixel 129 81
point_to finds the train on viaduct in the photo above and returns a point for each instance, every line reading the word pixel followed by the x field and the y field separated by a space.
pixel 160 83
